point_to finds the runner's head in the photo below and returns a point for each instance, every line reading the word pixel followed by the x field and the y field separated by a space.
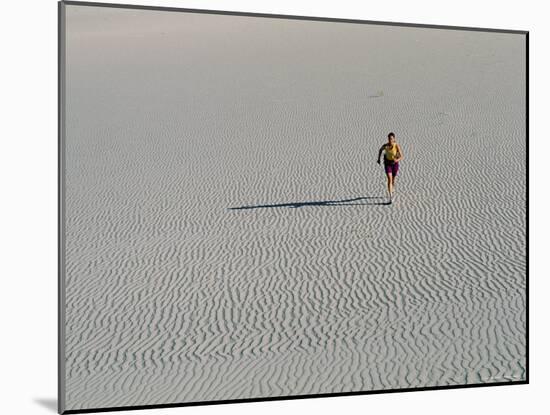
pixel 391 138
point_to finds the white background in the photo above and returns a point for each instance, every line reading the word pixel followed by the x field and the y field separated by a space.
pixel 28 205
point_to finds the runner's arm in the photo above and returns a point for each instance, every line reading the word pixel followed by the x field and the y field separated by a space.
pixel 380 153
pixel 400 153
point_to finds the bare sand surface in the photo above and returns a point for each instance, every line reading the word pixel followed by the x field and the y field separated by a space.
pixel 226 232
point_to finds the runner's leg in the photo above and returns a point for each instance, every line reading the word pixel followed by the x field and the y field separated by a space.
pixel 395 169
pixel 390 183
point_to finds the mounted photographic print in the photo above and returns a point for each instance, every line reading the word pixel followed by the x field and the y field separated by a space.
pixel 258 207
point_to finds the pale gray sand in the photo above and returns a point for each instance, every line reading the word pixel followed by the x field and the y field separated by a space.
pixel 313 286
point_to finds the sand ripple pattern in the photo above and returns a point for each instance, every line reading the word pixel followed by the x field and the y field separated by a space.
pixel 226 232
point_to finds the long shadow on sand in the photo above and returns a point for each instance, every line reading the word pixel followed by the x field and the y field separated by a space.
pixel 358 201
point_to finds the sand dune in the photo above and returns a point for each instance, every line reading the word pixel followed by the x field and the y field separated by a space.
pixel 226 228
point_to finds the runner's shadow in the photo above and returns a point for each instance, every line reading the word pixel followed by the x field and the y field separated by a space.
pixel 358 201
pixel 48 403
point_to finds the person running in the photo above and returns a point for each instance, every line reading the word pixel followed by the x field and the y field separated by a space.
pixel 392 156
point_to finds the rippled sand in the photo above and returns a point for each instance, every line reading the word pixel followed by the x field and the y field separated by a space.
pixel 227 235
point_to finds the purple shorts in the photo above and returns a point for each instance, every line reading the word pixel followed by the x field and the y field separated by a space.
pixel 392 168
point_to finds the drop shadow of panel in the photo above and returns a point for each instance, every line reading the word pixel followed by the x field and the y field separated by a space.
pixel 357 201
pixel 48 403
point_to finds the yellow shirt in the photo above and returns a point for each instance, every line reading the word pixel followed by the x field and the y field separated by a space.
pixel 390 152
